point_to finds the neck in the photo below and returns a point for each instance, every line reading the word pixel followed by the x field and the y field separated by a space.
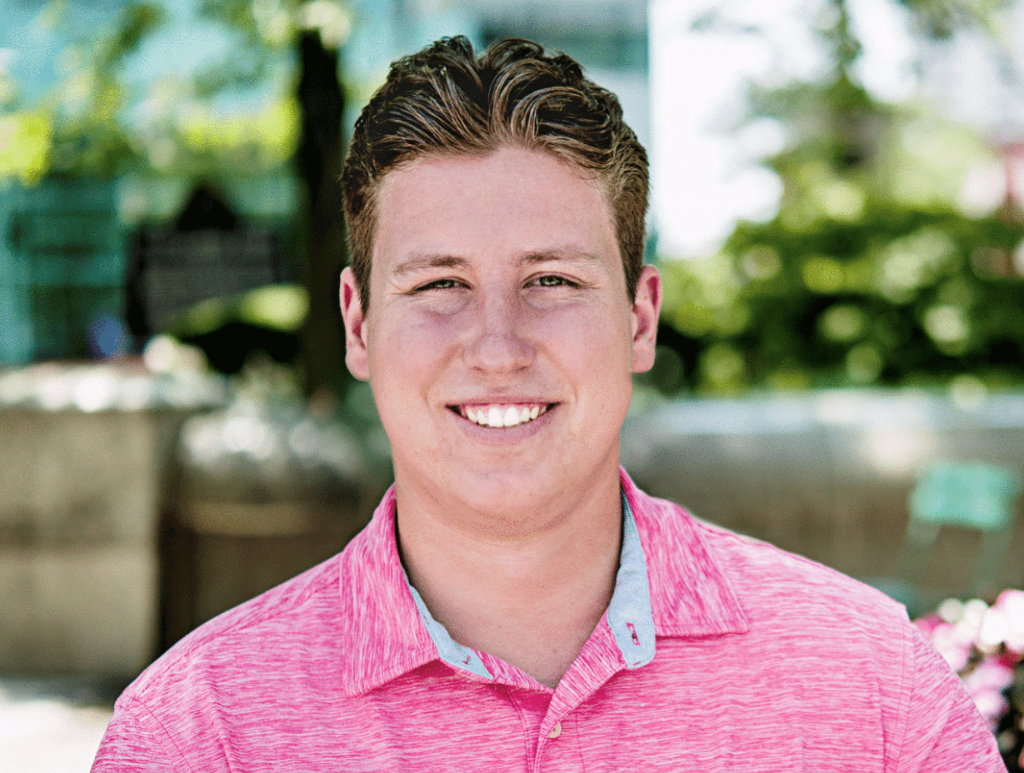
pixel 532 599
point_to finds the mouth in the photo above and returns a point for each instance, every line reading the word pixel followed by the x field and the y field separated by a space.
pixel 501 415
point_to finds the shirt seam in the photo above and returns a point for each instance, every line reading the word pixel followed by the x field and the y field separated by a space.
pixel 579 741
pixel 906 692
pixel 165 739
pixel 530 764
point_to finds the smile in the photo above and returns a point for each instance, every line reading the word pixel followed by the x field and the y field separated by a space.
pixel 499 415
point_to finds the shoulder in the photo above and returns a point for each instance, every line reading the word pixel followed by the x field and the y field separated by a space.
pixel 227 679
pixel 765 581
pixel 773 581
pixel 799 608
pixel 769 582
pixel 794 615
pixel 266 632
pixel 818 639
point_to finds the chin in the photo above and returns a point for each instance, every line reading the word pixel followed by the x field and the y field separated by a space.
pixel 508 490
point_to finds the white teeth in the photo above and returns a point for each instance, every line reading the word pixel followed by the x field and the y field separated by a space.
pixel 503 415
pixel 495 417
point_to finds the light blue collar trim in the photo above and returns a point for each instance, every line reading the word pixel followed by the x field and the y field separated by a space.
pixel 629 611
pixel 451 652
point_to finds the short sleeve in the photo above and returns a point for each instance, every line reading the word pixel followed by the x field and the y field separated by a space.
pixel 943 730
pixel 128 747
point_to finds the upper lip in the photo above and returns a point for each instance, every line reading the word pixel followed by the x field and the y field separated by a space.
pixel 501 400
pixel 462 405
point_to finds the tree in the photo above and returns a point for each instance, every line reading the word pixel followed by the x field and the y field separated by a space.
pixel 312 32
pixel 78 128
pixel 853 281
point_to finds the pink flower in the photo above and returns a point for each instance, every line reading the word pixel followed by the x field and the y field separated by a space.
pixel 953 647
pixel 927 624
pixel 1010 604
pixel 985 683
pixel 991 705
pixel 989 674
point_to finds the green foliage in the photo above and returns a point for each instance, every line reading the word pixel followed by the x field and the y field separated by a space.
pixel 942 18
pixel 26 139
pixel 77 129
pixel 135 22
pixel 195 135
pixel 899 296
pixel 868 274
pixel 251 58
pixel 89 136
pixel 90 122
pixel 262 30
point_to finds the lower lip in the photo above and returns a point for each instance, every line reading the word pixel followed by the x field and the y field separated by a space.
pixel 505 434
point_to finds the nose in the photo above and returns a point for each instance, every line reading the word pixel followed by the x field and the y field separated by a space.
pixel 497 336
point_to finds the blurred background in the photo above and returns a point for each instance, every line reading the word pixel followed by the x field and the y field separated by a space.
pixel 837 215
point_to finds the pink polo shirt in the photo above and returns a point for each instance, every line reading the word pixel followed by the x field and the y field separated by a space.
pixel 717 653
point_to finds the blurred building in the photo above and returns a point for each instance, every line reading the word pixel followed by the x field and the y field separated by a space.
pixel 65 262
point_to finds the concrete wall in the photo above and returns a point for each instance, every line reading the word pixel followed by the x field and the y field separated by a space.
pixel 79 508
pixel 827 475
pixel 135 507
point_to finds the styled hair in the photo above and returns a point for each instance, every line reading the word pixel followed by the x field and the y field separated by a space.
pixel 447 100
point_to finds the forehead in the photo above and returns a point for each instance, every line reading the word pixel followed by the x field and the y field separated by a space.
pixel 509 201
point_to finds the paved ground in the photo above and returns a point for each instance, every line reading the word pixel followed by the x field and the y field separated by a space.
pixel 52 724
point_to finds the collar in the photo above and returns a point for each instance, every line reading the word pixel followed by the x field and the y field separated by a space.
pixel 629 611
pixel 691 595
pixel 668 584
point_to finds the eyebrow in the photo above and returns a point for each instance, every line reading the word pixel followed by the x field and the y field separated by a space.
pixel 423 262
pixel 564 254
pixel 430 261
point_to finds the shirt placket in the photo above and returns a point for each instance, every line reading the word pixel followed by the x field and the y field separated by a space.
pixel 558 748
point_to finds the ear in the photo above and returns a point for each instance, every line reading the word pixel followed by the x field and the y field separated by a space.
pixel 645 312
pixel 356 353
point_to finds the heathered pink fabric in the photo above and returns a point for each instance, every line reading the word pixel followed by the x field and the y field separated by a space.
pixel 764 662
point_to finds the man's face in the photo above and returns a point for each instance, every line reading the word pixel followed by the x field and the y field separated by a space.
pixel 500 342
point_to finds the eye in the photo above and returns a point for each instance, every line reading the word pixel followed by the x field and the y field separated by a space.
pixel 553 280
pixel 440 284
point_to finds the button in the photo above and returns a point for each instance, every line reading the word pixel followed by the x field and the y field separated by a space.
pixel 556 730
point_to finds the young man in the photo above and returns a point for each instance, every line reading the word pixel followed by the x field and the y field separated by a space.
pixel 517 604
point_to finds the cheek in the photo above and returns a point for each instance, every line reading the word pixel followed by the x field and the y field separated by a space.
pixel 602 333
pixel 596 348
pixel 407 349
